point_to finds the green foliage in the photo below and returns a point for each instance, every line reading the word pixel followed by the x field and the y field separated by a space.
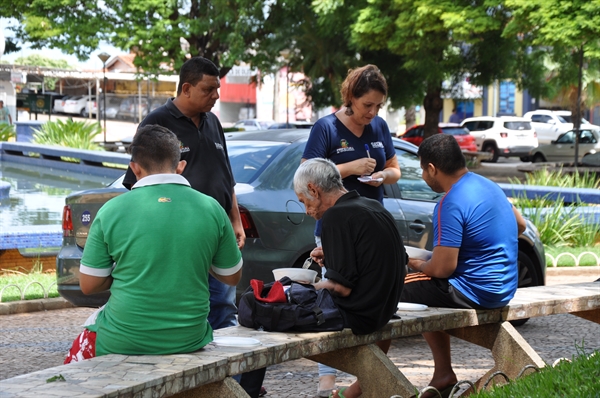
pixel 577 378
pixel 7 131
pixel 41 60
pixel 566 32
pixel 558 178
pixel 69 134
pixel 558 225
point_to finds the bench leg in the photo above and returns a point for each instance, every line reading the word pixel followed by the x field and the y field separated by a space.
pixel 510 351
pixel 378 375
pixel 224 388
pixel 593 315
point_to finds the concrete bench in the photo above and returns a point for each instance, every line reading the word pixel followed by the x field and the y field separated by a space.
pixel 206 373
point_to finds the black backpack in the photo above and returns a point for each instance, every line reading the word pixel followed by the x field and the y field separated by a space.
pixel 307 310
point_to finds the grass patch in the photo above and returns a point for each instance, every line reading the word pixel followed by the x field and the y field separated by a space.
pixel 33 291
pixel 568 261
pixel 575 379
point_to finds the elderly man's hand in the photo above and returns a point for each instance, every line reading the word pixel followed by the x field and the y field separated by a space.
pixel 317 255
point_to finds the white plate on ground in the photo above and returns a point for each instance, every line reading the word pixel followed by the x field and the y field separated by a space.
pixel 227 341
pixel 369 178
pixel 411 307
pixel 415 252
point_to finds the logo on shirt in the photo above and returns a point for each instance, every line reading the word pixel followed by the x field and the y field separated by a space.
pixel 218 145
pixel 183 148
pixel 377 144
pixel 344 147
pixel 164 200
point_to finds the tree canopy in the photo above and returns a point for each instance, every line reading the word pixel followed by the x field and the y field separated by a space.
pixel 224 31
pixel 433 41
pixel 418 44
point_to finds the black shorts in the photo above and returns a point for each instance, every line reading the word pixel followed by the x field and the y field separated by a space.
pixel 434 292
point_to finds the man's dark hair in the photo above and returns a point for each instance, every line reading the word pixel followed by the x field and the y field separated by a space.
pixel 443 152
pixel 154 147
pixel 194 69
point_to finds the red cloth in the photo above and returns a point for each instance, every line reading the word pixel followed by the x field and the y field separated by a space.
pixel 275 295
pixel 84 347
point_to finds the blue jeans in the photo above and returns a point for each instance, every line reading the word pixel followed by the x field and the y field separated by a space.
pixel 222 304
pixel 324 370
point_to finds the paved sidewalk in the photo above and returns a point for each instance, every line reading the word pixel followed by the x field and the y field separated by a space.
pixel 32 341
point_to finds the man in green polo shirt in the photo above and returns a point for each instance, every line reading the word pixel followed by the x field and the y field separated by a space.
pixel 154 247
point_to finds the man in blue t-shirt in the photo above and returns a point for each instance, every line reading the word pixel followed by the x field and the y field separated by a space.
pixel 475 239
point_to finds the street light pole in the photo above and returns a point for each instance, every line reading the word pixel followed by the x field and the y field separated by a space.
pixel 104 57
pixel 287 96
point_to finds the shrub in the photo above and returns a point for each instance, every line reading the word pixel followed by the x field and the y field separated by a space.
pixel 558 225
pixel 558 178
pixel 7 131
pixel 69 133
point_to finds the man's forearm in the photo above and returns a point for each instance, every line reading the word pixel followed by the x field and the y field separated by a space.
pixel 335 288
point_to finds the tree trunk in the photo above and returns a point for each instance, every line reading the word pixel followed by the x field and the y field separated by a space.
pixel 433 105
pixel 410 117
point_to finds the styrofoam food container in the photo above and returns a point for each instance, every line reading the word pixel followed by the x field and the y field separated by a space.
pixel 295 274
pixel 415 252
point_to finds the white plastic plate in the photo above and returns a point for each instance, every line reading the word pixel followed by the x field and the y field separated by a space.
pixel 411 307
pixel 368 178
pixel 415 252
pixel 227 341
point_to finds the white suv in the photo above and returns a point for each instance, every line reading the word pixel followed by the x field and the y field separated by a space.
pixel 550 124
pixel 505 136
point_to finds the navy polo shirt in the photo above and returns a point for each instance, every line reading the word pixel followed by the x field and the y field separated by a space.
pixel 203 148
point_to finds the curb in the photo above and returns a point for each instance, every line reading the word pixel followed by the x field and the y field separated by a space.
pixel 23 306
pixel 593 270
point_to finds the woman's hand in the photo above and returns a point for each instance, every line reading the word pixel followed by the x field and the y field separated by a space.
pixel 364 166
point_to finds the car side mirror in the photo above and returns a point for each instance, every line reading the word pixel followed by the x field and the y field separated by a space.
pixel 553 142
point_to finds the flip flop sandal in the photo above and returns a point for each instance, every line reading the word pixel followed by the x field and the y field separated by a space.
pixel 340 393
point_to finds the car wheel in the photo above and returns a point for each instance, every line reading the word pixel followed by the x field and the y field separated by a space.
pixel 493 149
pixel 84 113
pixel 525 159
pixel 538 158
pixel 527 277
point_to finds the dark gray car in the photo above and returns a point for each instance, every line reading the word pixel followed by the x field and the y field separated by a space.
pixel 278 232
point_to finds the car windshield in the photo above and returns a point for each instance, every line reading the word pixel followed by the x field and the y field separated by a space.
pixel 517 125
pixel 567 119
pixel 455 130
pixel 248 158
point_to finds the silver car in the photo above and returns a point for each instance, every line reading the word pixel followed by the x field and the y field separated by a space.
pixel 563 149
pixel 278 232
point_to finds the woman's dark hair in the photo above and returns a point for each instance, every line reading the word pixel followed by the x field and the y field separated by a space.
pixel 155 147
pixel 362 80
pixel 443 152
pixel 194 69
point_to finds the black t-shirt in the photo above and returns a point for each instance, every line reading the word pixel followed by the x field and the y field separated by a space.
pixel 203 148
pixel 364 251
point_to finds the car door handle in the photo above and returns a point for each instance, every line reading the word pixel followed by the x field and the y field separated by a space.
pixel 417 226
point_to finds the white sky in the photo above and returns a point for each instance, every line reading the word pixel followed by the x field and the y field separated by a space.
pixel 92 63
